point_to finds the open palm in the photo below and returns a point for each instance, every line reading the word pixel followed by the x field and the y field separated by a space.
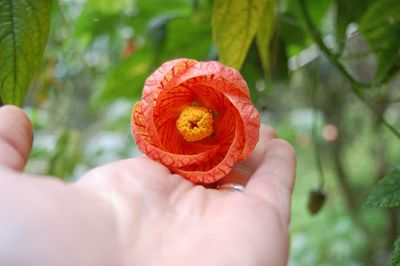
pixel 135 212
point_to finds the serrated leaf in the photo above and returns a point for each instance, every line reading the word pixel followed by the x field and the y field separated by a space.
pixel 396 253
pixel 380 26
pixel 265 33
pixel 24 29
pixel 234 25
pixel 386 194
pixel 126 80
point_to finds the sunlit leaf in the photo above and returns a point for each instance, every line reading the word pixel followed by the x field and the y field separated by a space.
pixel 151 8
pixel 386 194
pixel 109 7
pixel 380 26
pixel 234 25
pixel 24 28
pixel 265 33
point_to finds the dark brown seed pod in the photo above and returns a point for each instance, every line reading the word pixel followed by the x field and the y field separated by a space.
pixel 316 200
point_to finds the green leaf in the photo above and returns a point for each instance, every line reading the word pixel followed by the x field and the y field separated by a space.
pixel 24 28
pixel 348 11
pixel 291 33
pixel 343 18
pixel 252 72
pixel 107 6
pixel 396 253
pixel 265 33
pixel 380 26
pixel 386 194
pixel 291 27
pixel 234 25
pixel 157 31
pixel 197 41
pixel 149 9
pixel 102 17
pixel 317 9
pixel 126 80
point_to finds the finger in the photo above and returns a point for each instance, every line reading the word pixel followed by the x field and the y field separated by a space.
pixel 253 161
pixel 274 179
pixel 243 170
pixel 15 137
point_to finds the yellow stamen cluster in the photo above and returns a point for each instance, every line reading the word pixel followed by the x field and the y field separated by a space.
pixel 195 123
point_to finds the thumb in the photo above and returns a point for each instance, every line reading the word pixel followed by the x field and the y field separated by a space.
pixel 15 137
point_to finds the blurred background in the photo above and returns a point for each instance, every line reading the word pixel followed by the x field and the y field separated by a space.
pixel 324 73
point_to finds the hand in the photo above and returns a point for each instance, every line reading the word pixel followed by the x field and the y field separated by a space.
pixel 135 212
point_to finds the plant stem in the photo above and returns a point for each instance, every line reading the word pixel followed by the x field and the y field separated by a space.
pixel 317 147
pixel 356 86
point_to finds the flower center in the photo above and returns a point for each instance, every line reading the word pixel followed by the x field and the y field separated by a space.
pixel 195 123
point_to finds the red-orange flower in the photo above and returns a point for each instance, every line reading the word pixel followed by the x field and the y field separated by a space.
pixel 196 118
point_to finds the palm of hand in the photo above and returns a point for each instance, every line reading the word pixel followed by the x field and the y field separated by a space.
pixel 191 224
pixel 141 214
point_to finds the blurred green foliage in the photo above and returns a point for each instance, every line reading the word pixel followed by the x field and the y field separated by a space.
pixel 24 28
pixel 307 63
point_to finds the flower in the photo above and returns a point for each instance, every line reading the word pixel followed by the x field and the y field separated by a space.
pixel 196 118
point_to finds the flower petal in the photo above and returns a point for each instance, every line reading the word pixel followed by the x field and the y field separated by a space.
pixel 145 144
pixel 157 83
pixel 179 83
pixel 223 168
pixel 242 103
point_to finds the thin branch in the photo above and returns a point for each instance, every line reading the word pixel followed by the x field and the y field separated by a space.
pixel 321 44
pixel 356 86
pixel 317 146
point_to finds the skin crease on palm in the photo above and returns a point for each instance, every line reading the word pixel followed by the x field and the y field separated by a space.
pixel 135 212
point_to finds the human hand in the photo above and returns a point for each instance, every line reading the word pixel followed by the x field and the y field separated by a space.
pixel 135 212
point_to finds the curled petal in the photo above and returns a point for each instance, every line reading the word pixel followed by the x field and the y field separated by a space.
pixel 144 143
pixel 158 83
pixel 240 100
pixel 178 84
pixel 220 170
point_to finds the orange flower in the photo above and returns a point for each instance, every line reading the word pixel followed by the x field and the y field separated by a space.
pixel 196 118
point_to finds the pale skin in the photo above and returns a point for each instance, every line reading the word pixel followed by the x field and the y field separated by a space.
pixel 135 212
